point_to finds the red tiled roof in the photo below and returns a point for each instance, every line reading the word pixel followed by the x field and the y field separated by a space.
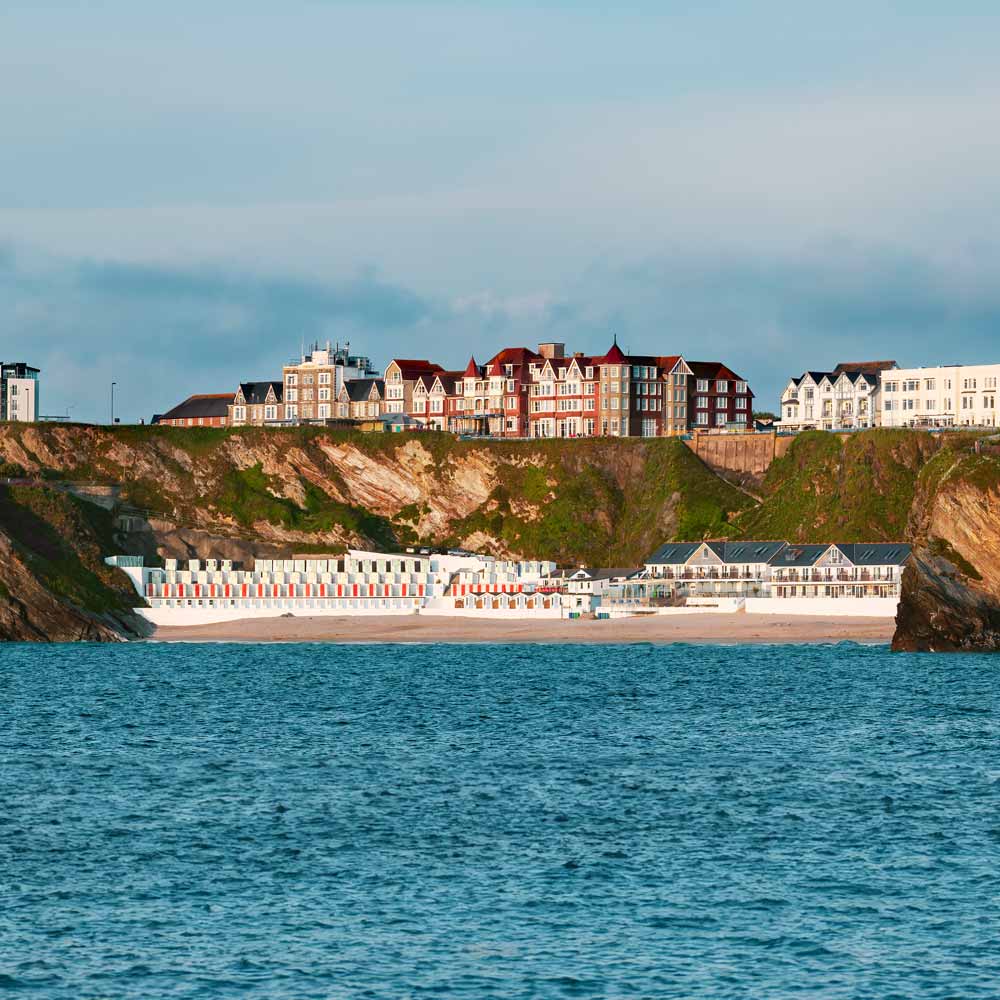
pixel 515 356
pixel 471 369
pixel 412 368
pixel 614 356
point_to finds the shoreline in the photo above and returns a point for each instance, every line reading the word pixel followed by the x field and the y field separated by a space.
pixel 693 628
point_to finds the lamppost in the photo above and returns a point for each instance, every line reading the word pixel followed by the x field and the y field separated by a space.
pixel 113 384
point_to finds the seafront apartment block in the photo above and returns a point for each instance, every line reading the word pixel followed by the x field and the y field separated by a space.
pixel 947 396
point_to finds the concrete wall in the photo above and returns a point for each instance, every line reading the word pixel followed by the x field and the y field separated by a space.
pixel 856 607
pixel 740 454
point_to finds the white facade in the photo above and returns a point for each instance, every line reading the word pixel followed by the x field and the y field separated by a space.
pixel 831 402
pixel 18 392
pixel 946 396
pixel 359 583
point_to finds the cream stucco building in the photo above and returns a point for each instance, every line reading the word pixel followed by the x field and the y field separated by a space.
pixel 946 396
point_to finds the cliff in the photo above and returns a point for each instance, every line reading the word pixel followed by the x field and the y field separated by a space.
pixel 54 584
pixel 951 591
pixel 244 492
pixel 240 493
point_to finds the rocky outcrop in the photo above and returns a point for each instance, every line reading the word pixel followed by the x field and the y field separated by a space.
pixel 951 591
pixel 941 610
pixel 53 586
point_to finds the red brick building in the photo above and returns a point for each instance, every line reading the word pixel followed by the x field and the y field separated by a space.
pixel 198 411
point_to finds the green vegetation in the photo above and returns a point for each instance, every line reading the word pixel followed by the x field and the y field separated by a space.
pixel 942 548
pixel 605 503
pixel 855 489
pixel 248 496
pixel 63 541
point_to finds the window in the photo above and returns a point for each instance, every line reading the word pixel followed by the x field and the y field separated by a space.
pixel 741 402
pixel 293 379
pixel 702 385
pixel 720 420
pixel 892 387
pixel 324 378
pixel 701 402
pixel 589 372
pixel 293 395
pixel 929 384
pixel 741 387
pixel 702 418
pixel 721 402
pixel 721 385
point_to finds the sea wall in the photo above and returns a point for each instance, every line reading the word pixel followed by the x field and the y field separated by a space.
pixel 739 454
pixel 851 607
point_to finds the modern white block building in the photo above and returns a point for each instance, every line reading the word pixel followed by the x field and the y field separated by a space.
pixel 18 391
pixel 945 396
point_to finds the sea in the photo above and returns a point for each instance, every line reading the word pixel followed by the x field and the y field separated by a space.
pixel 494 821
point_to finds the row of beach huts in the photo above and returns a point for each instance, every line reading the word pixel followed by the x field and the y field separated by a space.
pixel 708 577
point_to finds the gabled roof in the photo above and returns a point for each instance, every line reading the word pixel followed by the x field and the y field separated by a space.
pixel 359 390
pixel 514 356
pixel 494 369
pixel 798 555
pixel 876 553
pixel 674 553
pixel 448 381
pixel 256 393
pixel 411 368
pixel 818 377
pixel 215 405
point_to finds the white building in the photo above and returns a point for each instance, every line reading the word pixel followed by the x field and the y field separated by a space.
pixel 358 583
pixel 18 392
pixel 846 398
pixel 946 396
pixel 861 579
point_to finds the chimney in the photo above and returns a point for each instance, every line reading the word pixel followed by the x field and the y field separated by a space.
pixel 552 351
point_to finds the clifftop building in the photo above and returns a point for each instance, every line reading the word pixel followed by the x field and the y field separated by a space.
pixel 18 391
pixel 313 383
pixel 946 396
pixel 846 398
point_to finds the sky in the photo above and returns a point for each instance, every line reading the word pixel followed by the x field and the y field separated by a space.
pixel 191 191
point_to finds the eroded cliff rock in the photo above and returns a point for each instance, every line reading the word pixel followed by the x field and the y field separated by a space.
pixel 951 591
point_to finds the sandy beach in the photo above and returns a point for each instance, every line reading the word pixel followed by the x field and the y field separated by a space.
pixel 695 628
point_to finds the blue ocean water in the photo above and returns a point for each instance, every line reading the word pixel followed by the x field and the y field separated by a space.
pixel 305 821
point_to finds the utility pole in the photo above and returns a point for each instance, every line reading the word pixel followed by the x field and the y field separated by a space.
pixel 113 384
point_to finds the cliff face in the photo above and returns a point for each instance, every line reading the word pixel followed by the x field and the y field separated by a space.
pixel 302 489
pixel 951 592
pixel 252 492
pixel 53 582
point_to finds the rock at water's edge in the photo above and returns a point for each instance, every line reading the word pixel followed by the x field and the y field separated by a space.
pixel 940 612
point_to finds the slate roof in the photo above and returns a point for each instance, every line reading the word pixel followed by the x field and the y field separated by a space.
pixel 798 555
pixel 256 392
pixel 673 553
pixel 746 552
pixel 359 389
pixel 214 405
pixel 876 554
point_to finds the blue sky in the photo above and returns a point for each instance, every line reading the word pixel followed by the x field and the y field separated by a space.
pixel 189 191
